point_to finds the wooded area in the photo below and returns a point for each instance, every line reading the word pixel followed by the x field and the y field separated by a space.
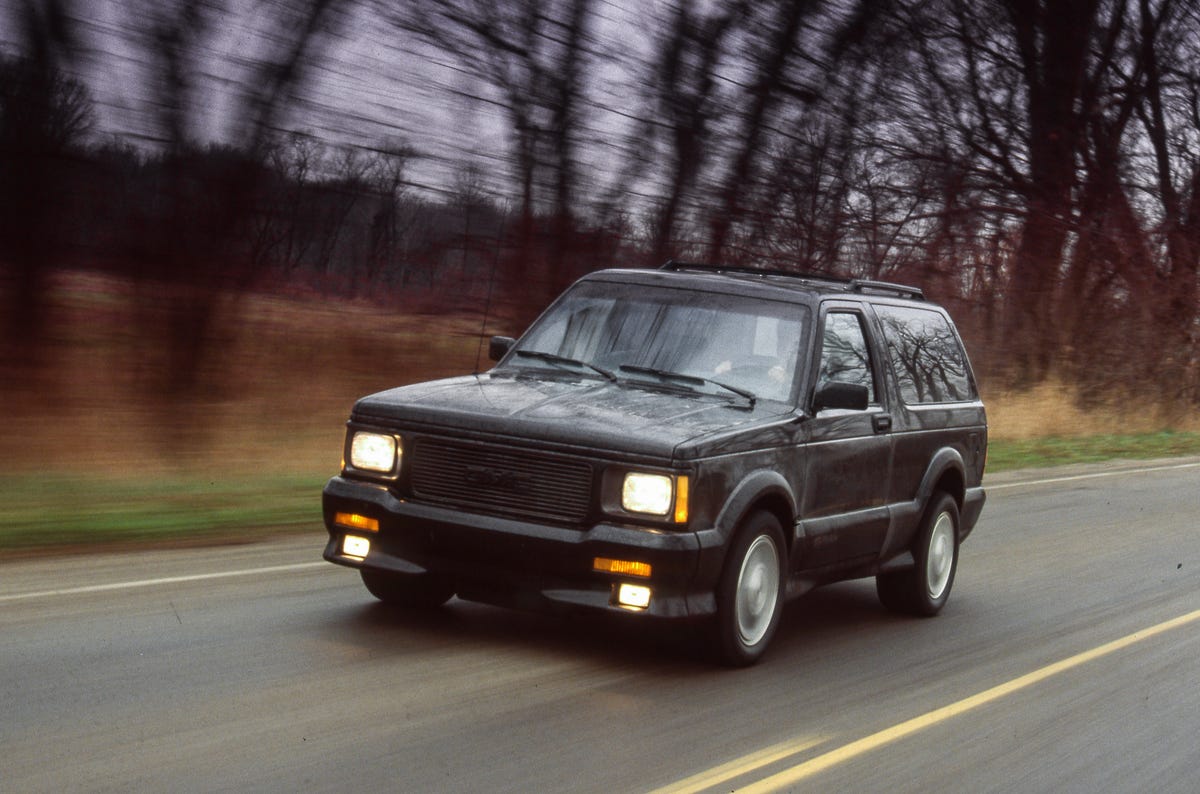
pixel 1033 164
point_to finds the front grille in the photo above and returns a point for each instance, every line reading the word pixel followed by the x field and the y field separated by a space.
pixel 501 480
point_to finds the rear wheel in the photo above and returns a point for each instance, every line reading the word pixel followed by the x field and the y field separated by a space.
pixel 750 592
pixel 925 588
pixel 407 590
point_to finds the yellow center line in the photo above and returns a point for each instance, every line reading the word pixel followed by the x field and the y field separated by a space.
pixel 739 767
pixel 798 773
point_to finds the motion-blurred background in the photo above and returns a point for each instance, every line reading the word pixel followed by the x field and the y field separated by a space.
pixel 221 222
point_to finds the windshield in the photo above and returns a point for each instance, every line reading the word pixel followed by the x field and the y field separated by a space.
pixel 748 343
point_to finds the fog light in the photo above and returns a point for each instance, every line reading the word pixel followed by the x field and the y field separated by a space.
pixel 634 596
pixel 354 546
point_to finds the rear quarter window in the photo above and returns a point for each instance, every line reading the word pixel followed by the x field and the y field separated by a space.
pixel 926 356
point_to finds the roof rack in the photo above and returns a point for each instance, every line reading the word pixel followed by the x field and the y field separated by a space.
pixel 863 285
pixel 672 264
pixel 856 285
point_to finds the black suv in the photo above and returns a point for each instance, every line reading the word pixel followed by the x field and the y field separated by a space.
pixel 693 442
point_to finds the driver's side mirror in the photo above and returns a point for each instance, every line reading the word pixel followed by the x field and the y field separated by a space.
pixel 499 346
pixel 847 396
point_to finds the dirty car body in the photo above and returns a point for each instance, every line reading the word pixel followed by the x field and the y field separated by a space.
pixel 693 443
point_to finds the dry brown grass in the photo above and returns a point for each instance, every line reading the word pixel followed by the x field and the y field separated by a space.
pixel 279 387
pixel 1052 410
pixel 284 379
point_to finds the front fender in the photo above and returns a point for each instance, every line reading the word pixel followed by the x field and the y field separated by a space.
pixel 756 487
pixel 753 488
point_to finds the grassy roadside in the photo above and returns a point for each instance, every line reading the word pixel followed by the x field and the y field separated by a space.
pixel 57 512
pixel 44 513
pixel 1006 455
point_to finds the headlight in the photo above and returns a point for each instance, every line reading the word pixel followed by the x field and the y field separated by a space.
pixel 374 452
pixel 647 493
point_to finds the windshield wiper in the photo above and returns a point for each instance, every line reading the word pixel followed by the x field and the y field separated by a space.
pixel 551 358
pixel 682 377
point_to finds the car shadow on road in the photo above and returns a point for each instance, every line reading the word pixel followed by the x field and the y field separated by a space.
pixel 821 620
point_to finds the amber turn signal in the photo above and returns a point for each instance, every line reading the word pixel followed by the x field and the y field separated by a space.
pixel 681 499
pixel 623 567
pixel 355 521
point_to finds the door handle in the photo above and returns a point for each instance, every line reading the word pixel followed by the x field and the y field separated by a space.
pixel 881 423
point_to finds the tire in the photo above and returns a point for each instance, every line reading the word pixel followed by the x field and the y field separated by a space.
pixel 750 591
pixel 424 591
pixel 924 589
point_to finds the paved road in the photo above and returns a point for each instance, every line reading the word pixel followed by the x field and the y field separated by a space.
pixel 1068 659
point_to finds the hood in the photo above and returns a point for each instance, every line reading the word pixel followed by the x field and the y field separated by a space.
pixel 580 412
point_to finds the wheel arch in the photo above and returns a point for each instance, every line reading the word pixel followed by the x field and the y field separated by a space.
pixel 946 472
pixel 762 489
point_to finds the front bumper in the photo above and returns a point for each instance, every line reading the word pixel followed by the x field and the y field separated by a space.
pixel 516 563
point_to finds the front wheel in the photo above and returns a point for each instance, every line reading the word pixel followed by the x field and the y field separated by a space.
pixel 407 590
pixel 750 592
pixel 924 589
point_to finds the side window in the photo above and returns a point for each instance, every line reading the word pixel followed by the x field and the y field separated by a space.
pixel 845 357
pixel 926 356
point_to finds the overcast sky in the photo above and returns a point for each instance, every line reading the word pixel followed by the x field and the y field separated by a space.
pixel 376 85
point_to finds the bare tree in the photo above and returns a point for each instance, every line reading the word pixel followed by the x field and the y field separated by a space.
pixel 1169 109
pixel 994 108
pixel 529 57
pixel 45 117
pixel 206 204
pixel 1052 42
pixel 283 228
pixel 774 44
pixel 791 47
pixel 805 216
pixel 683 103
pixel 391 222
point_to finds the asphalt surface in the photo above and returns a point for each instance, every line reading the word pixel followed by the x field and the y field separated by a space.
pixel 1068 659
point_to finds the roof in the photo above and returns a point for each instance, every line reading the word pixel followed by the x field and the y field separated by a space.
pixel 780 284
